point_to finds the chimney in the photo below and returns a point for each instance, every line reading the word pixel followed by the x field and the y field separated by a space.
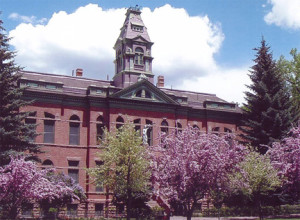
pixel 160 82
pixel 79 72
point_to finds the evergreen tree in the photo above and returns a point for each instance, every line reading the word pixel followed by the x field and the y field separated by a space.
pixel 268 112
pixel 15 135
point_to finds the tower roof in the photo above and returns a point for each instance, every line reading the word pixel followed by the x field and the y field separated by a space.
pixel 133 26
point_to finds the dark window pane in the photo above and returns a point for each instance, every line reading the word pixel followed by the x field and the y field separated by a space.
pixel 49 131
pixel 147 94
pixel 27 210
pixel 99 187
pixel 47 163
pixel 74 133
pixel 99 207
pixel 73 163
pixel 72 209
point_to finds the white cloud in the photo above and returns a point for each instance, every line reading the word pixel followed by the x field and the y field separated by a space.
pixel 183 50
pixel 228 84
pixel 284 13
pixel 27 19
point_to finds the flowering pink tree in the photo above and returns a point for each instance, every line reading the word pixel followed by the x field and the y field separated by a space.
pixel 285 157
pixel 21 182
pixel 188 165
pixel 74 192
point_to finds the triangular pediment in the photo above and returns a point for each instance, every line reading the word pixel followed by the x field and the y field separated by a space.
pixel 140 38
pixel 144 91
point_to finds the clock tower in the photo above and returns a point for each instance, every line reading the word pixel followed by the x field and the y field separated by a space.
pixel 133 51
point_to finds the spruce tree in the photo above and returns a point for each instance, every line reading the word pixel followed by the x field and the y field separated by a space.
pixel 268 111
pixel 15 135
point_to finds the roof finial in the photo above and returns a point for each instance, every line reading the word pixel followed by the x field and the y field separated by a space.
pixel 142 76
pixel 136 8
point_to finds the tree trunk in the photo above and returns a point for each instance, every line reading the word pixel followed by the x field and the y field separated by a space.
pixel 13 213
pixel 189 216
pixel 261 217
pixel 128 209
pixel 128 205
pixel 190 212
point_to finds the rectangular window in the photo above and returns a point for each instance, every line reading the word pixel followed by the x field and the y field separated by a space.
pixel 74 133
pixel 99 207
pixel 74 173
pixel 73 163
pixel 99 186
pixel 49 86
pixel 32 84
pixel 49 131
pixel 147 65
pixel 27 210
pixel 72 209
pixel 131 63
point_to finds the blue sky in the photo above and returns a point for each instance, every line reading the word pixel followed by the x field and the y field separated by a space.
pixel 216 37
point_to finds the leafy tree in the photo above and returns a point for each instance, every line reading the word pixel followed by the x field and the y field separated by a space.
pixel 285 156
pixel 268 112
pixel 255 181
pixel 188 165
pixel 125 168
pixel 21 183
pixel 291 73
pixel 15 135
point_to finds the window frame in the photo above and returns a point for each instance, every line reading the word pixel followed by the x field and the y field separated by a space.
pixel 74 130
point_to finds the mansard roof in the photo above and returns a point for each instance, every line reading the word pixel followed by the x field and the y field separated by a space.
pixel 133 26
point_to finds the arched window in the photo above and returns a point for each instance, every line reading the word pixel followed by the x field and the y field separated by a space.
pixel 149 132
pixel 120 122
pixel 164 127
pixel 196 127
pixel 49 128
pixel 138 58
pixel 48 163
pixel 216 130
pixel 100 129
pixel 227 130
pixel 74 134
pixel 178 127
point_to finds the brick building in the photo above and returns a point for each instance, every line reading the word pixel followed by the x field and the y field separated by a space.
pixel 71 111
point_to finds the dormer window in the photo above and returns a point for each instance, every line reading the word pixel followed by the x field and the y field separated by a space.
pixel 32 84
pixel 138 58
pixel 137 28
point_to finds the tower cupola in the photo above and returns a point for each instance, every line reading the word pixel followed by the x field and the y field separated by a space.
pixel 133 51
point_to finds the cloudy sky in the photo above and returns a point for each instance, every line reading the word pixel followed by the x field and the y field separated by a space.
pixel 199 45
